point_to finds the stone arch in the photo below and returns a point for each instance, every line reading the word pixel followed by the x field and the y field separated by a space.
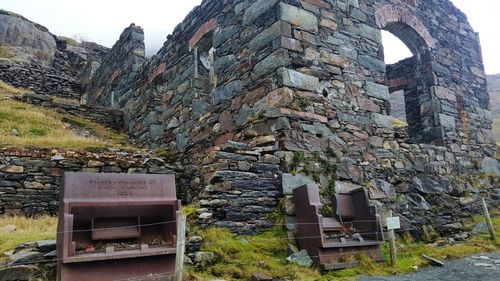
pixel 405 25
pixel 203 80
pixel 204 29
pixel 414 75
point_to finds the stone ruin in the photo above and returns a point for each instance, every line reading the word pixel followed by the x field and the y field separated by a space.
pixel 257 97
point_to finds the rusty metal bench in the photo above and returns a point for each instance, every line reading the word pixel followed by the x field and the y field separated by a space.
pixel 117 226
pixel 337 242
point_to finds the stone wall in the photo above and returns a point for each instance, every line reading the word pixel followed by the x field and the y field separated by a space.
pixel 30 180
pixel 40 79
pixel 111 86
pixel 304 83
pixel 111 118
pixel 78 60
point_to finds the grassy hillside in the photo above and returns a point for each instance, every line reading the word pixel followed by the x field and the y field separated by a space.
pixel 23 125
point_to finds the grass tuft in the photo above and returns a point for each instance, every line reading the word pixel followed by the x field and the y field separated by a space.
pixel 69 41
pixel 238 257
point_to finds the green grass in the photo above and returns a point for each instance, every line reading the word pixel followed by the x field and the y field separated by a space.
pixel 28 229
pixel 238 257
pixel 39 127
pixel 8 91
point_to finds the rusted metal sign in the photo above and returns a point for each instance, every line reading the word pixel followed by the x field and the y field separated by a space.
pixel 117 227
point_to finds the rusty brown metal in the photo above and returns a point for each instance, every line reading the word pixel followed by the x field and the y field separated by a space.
pixel 117 227
pixel 337 242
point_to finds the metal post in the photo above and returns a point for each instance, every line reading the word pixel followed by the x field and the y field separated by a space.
pixel 488 220
pixel 181 242
pixel 392 244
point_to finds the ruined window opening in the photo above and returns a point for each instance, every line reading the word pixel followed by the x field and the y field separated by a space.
pixel 396 51
pixel 204 76
pixel 410 80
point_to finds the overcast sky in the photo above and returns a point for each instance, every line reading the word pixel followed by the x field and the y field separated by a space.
pixel 102 21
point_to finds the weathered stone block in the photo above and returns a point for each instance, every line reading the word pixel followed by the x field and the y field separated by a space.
pixel 227 91
pixel 371 33
pixel 298 17
pixel 334 59
pixel 378 91
pixel 448 122
pixel 383 121
pixel 380 189
pixel 13 169
pixel 272 62
pixel 295 79
pixel 372 63
pixel 257 9
pixel 277 30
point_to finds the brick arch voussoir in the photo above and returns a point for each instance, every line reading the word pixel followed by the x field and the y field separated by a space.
pixel 390 14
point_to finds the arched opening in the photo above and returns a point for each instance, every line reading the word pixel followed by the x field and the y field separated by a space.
pixel 396 51
pixel 204 76
pixel 414 75
pixel 409 78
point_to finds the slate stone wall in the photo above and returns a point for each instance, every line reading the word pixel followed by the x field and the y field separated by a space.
pixel 242 87
pixel 111 85
pixel 30 180
pixel 111 118
pixel 40 79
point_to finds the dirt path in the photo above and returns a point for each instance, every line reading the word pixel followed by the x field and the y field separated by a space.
pixel 477 268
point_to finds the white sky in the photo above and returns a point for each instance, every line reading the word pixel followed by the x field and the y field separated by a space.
pixel 102 21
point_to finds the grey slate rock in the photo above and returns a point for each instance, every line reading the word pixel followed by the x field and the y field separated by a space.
pixel 301 258
pixel 227 91
pixel 46 245
pixel 290 182
pixel 18 273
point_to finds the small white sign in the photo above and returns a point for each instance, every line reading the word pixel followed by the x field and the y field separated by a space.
pixel 393 223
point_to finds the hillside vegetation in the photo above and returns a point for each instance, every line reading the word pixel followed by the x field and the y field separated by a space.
pixel 28 126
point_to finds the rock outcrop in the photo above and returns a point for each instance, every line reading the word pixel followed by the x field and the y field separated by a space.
pixel 29 41
pixel 40 61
